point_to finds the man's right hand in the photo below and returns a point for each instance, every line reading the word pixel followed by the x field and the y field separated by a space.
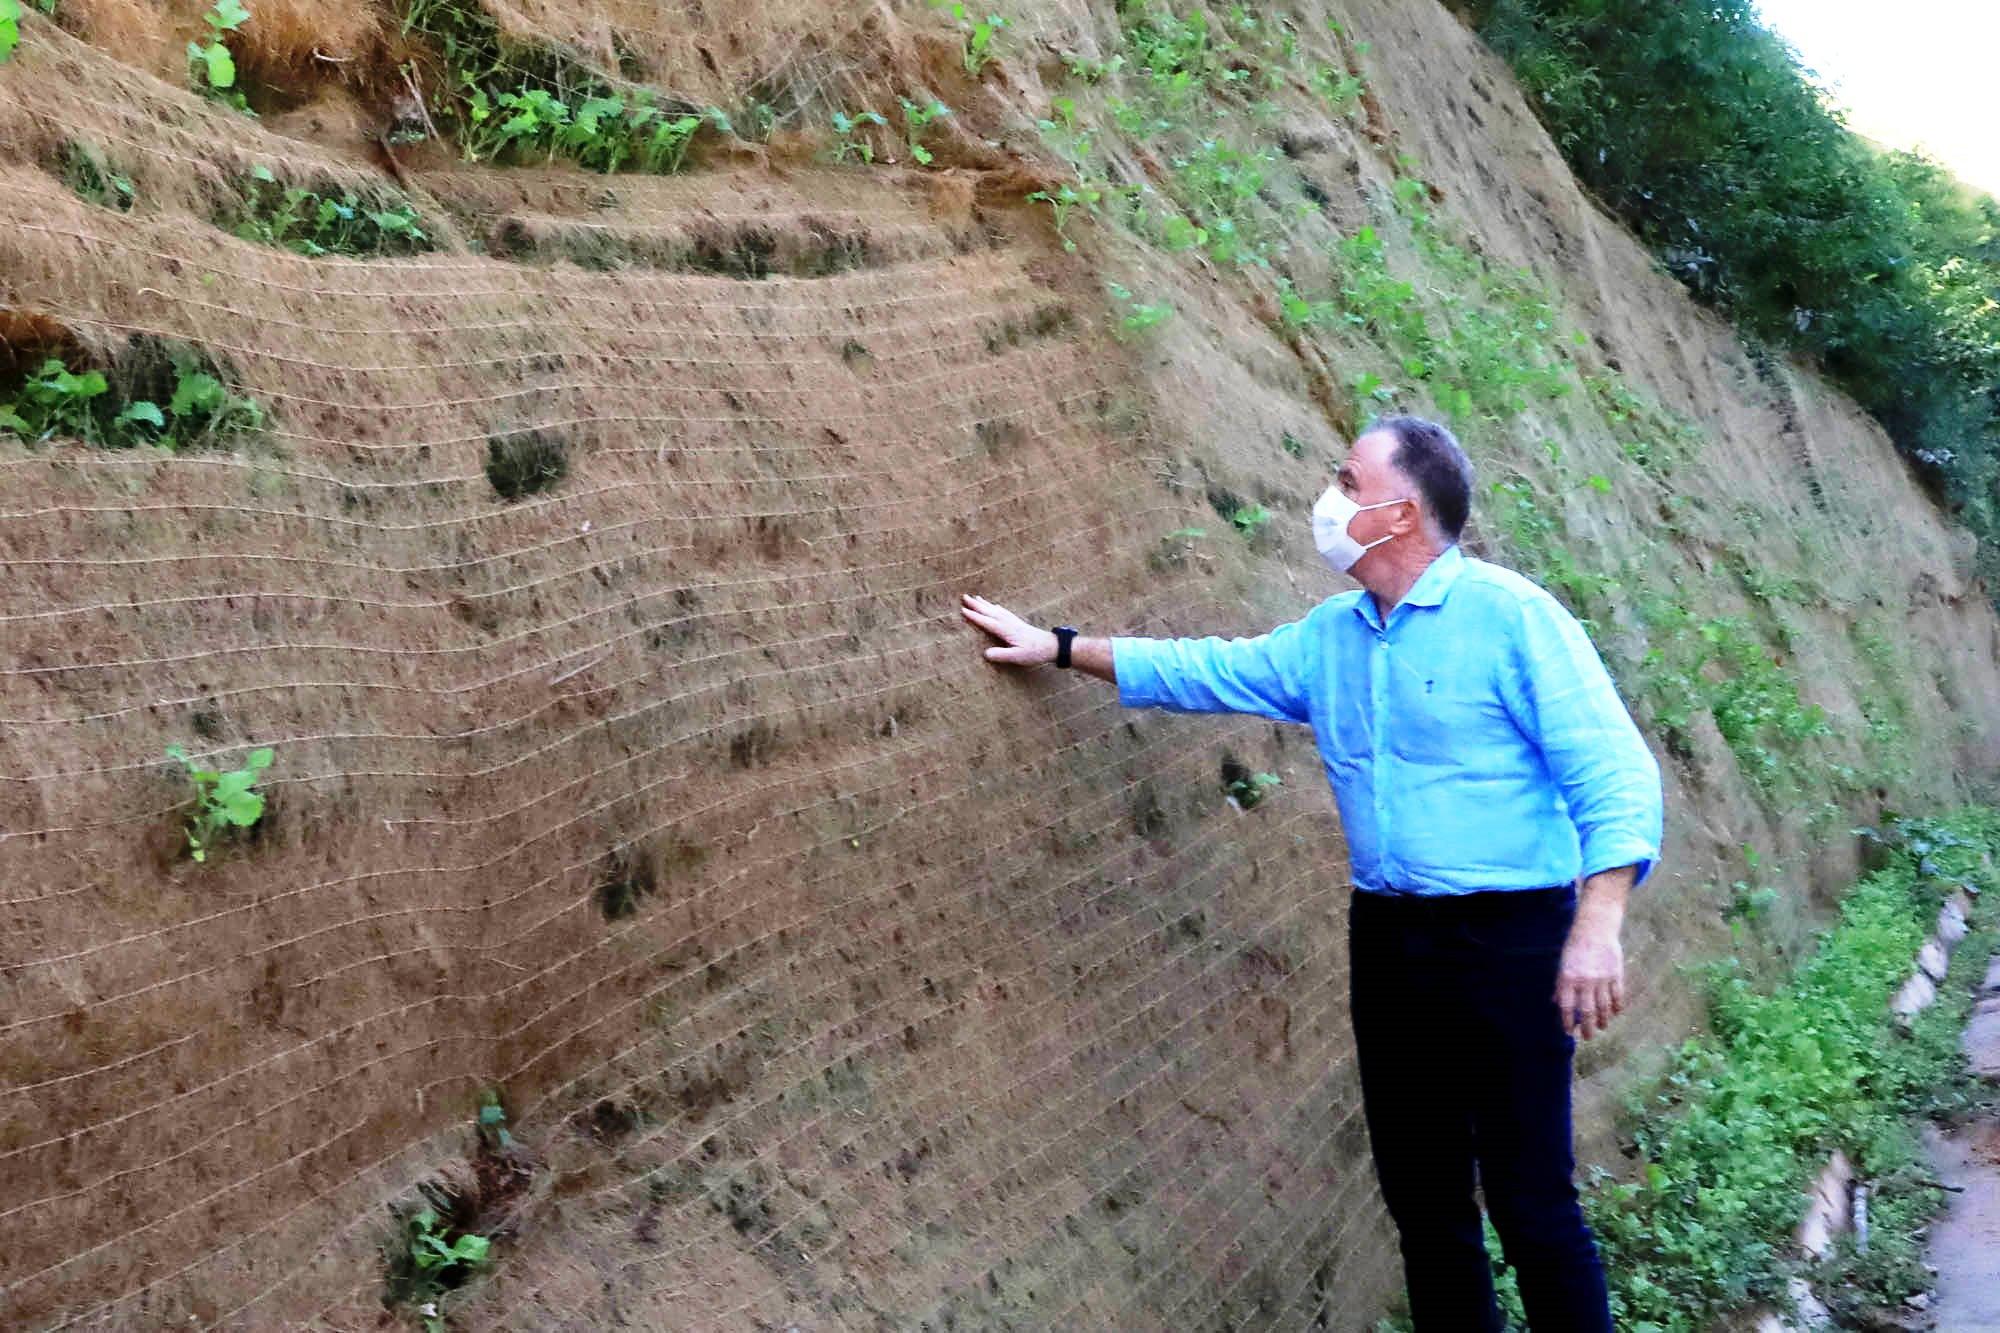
pixel 1024 644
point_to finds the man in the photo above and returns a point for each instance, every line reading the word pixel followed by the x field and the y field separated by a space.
pixel 1484 767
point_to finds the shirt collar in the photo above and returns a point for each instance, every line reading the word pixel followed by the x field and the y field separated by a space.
pixel 1429 590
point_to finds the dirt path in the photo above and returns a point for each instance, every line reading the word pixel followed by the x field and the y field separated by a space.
pixel 1965 1243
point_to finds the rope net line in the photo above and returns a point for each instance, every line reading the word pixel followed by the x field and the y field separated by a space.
pixel 826 974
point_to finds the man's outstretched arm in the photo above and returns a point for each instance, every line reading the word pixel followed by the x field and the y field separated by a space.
pixel 1265 675
pixel 1022 644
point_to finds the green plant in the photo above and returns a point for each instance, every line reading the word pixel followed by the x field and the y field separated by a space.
pixel 604 131
pixel 210 63
pixel 1340 90
pixel 438 1260
pixel 979 33
pixel 1137 317
pixel 1220 186
pixel 1087 70
pixel 492 1122
pixel 10 28
pixel 1250 520
pixel 224 799
pixel 88 173
pixel 916 119
pixel 108 409
pixel 310 223
pixel 510 101
pixel 1063 201
pixel 55 401
pixel 1296 312
pixel 853 139
pixel 1750 901
pixel 1249 792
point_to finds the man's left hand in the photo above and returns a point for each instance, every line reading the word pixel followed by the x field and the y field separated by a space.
pixel 1590 986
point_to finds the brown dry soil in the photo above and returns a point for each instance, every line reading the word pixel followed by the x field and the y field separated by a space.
pixel 831 978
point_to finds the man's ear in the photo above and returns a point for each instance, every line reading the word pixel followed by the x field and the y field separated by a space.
pixel 1408 517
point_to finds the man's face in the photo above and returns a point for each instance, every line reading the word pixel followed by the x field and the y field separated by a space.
pixel 1370 477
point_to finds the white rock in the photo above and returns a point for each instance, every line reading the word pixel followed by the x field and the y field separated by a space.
pixel 1951 925
pixel 1811 1313
pixel 1933 961
pixel 1917 995
pixel 1827 1211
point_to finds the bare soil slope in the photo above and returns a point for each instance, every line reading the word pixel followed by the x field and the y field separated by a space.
pixel 594 582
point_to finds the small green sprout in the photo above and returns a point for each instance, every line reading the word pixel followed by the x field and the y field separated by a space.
pixel 1064 201
pixel 493 1122
pixel 1139 316
pixel 1251 520
pixel 1247 792
pixel 853 143
pixel 213 67
pixel 916 119
pixel 979 33
pixel 224 800
pixel 437 1264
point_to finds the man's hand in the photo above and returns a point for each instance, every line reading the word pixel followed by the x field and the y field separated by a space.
pixel 1590 987
pixel 1025 644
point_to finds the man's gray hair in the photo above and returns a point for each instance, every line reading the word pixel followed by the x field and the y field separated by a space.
pixel 1431 457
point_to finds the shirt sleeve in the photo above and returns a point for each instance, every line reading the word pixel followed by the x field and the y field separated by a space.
pixel 1266 675
pixel 1563 699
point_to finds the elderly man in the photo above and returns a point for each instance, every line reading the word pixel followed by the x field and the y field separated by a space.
pixel 1485 768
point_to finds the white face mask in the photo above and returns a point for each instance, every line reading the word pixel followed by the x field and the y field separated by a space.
pixel 1331 515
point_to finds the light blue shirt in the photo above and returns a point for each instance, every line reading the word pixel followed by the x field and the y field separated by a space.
pixel 1475 741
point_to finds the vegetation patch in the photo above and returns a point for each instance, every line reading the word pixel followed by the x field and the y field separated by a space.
pixel 625 879
pixel 157 393
pixel 90 176
pixel 511 102
pixel 1246 790
pixel 445 1237
pixel 525 462
pixel 309 222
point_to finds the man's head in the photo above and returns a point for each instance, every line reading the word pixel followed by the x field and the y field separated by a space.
pixel 1406 459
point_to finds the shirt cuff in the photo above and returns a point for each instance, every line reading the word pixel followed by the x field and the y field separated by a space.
pixel 1608 851
pixel 1138 677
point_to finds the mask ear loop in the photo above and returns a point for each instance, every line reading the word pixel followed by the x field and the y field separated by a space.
pixel 1379 504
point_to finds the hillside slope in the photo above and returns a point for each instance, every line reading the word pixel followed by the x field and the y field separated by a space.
pixel 591 571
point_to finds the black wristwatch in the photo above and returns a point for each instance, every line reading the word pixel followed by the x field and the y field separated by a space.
pixel 1064 634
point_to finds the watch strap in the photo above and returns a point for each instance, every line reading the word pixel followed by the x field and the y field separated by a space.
pixel 1064 634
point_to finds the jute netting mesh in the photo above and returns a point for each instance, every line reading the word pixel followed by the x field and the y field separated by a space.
pixel 591 572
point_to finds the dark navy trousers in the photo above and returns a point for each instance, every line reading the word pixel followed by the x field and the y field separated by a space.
pixel 1465 1077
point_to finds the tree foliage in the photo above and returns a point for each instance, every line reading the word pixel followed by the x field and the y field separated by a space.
pixel 1702 130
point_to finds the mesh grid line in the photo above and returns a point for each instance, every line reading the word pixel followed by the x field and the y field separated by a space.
pixel 918 966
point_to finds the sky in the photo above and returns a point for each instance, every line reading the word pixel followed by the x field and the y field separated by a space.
pixel 1916 73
